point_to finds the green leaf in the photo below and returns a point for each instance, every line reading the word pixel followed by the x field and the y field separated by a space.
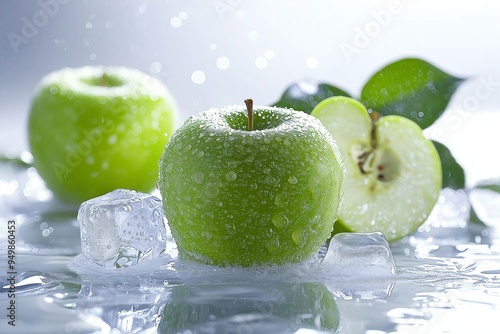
pixel 474 218
pixel 491 185
pixel 15 160
pixel 453 173
pixel 411 88
pixel 305 95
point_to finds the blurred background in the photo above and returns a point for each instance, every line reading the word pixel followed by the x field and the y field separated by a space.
pixel 218 52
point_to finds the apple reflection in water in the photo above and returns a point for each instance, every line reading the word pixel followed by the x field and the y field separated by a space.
pixel 249 308
pixel 211 308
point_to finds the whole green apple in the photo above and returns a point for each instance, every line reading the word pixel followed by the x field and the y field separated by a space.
pixel 249 308
pixel 95 129
pixel 241 197
pixel 393 173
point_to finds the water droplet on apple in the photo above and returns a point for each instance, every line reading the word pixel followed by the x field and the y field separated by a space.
pixel 299 237
pixel 231 176
pixel 136 129
pixel 250 158
pixel 53 90
pixel 199 177
pixel 247 140
pixel 272 245
pixel 168 167
pixel 293 180
pixel 200 154
pixel 280 200
pixel 279 220
pixel 269 179
pixel 112 139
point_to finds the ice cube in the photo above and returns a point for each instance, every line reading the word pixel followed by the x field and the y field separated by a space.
pixel 359 254
pixel 122 228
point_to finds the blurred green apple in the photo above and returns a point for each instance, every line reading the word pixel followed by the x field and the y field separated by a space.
pixel 95 129
pixel 234 196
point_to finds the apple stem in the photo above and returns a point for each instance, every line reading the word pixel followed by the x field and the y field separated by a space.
pixel 374 116
pixel 103 80
pixel 249 104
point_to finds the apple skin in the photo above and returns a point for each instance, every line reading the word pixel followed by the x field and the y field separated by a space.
pixel 249 308
pixel 396 193
pixel 90 134
pixel 242 198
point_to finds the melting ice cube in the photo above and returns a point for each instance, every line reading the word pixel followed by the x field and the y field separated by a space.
pixel 122 228
pixel 360 254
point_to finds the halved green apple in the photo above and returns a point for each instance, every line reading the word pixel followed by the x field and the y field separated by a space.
pixel 393 173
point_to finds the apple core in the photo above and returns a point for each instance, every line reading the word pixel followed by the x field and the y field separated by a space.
pixel 393 173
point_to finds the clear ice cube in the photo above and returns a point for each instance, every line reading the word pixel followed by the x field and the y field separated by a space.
pixel 122 228
pixel 360 254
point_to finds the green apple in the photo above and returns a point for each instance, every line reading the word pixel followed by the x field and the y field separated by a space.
pixel 393 173
pixel 95 129
pixel 249 308
pixel 240 197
